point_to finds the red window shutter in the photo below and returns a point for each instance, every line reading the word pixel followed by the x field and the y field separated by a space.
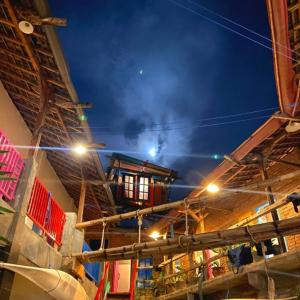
pixel 157 194
pixel 151 194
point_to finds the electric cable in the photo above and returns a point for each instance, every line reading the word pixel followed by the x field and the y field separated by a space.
pixel 229 29
pixel 240 25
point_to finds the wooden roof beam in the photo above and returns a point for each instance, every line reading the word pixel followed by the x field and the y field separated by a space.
pixel 94 197
pixel 21 57
pixel 22 37
pixel 11 24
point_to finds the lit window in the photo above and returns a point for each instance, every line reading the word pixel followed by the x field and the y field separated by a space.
pixel 129 186
pixel 144 188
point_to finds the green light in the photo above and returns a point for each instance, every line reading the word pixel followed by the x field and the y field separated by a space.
pixel 83 118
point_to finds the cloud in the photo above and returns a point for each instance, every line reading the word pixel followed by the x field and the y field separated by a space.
pixel 191 70
pixel 133 128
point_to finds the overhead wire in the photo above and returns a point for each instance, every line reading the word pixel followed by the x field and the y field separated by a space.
pixel 196 126
pixel 179 4
pixel 200 120
pixel 239 25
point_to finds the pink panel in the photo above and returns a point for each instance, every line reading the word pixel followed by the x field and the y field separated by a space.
pixel 115 276
pixel 12 163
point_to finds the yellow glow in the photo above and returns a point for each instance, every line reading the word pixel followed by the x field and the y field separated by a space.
pixel 80 149
pixel 155 235
pixel 212 188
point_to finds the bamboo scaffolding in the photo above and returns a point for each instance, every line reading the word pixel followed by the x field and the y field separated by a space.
pixel 195 242
pixel 195 266
pixel 179 256
pixel 189 201
pixel 263 212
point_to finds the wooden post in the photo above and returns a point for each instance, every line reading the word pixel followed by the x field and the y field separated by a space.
pixel 205 253
pixel 81 201
pixel 271 198
pixel 41 118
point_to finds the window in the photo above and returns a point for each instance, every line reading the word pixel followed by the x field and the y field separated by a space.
pixel 144 188
pixel 145 272
pixel 129 186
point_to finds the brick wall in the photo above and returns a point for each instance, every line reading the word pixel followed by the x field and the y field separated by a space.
pixel 286 212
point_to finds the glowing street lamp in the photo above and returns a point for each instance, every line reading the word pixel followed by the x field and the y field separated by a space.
pixel 212 188
pixel 80 149
pixel 155 235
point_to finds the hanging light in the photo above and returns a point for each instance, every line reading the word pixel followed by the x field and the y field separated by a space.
pixel 26 27
pixel 212 188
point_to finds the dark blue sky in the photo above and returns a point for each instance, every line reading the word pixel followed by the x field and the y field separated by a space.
pixel 153 70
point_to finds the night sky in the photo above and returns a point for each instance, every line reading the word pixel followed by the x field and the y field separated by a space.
pixel 155 71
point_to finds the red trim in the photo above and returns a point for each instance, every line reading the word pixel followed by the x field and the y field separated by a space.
pixel 132 280
pixel 101 284
pixel 283 67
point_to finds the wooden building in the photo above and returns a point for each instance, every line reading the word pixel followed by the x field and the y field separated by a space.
pixel 138 183
pixel 252 205
pixel 40 108
pixel 51 190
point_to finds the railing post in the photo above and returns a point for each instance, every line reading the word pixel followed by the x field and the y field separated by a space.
pixel 271 198
pixel 81 201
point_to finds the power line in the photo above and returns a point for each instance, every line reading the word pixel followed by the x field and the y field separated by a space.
pixel 229 29
pixel 194 127
pixel 197 120
pixel 239 25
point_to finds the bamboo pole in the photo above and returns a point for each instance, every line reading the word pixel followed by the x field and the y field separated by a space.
pixel 179 256
pixel 195 266
pixel 204 201
pixel 263 212
pixel 200 241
